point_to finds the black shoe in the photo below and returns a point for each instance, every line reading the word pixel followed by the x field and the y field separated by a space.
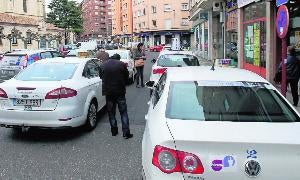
pixel 114 131
pixel 127 136
pixel 137 86
pixel 143 85
pixel 295 105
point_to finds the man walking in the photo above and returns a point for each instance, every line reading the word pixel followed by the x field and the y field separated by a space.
pixel 114 74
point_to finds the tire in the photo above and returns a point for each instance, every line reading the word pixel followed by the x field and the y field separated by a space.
pixel 91 119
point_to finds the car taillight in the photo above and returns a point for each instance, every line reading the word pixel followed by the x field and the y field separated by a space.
pixel 170 161
pixel 61 93
pixel 159 70
pixel 3 93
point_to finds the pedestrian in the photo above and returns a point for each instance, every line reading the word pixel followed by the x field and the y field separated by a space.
pixel 114 75
pixel 102 56
pixel 139 58
pixel 292 73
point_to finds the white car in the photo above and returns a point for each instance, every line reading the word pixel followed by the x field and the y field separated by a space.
pixel 56 93
pixel 172 59
pixel 126 57
pixel 227 124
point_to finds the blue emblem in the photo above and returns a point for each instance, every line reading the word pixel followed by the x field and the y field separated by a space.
pixel 252 154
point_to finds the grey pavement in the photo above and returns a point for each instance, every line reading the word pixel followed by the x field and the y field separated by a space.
pixel 74 154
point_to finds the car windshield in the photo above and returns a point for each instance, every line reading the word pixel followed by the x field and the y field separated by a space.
pixel 123 54
pixel 180 60
pixel 227 101
pixel 14 60
pixel 47 72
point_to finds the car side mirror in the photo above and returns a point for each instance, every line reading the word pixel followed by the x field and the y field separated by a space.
pixel 153 61
pixel 150 84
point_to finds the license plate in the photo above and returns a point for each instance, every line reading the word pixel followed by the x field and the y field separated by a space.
pixel 28 102
pixel 8 72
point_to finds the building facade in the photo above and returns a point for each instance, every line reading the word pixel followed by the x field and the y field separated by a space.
pixel 97 20
pixel 122 20
pixel 157 22
pixel 22 26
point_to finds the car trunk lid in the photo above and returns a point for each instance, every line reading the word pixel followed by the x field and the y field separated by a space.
pixel 226 148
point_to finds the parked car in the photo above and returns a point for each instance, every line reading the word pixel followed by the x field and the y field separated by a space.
pixel 157 48
pixel 66 92
pixel 224 124
pixel 126 57
pixel 13 63
pixel 172 59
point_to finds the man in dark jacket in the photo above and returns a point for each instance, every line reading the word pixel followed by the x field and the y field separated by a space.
pixel 114 75
pixel 292 73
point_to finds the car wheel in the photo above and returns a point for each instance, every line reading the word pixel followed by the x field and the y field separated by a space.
pixel 91 121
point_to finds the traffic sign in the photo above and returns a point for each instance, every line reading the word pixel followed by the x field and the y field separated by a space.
pixel 282 21
pixel 281 2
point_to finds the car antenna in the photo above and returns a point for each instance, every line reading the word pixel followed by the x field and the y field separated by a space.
pixel 213 65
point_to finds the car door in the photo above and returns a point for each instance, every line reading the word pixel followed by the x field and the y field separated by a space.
pixel 95 83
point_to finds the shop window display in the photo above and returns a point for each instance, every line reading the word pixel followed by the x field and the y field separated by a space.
pixel 255 34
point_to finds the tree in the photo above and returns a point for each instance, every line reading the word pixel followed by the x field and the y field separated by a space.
pixel 65 14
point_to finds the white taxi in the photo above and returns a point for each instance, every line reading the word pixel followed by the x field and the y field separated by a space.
pixel 172 59
pixel 227 124
pixel 56 93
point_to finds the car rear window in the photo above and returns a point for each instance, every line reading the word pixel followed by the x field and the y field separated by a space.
pixel 227 101
pixel 172 60
pixel 47 72
pixel 14 60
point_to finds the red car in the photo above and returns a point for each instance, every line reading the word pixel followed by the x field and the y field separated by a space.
pixel 157 48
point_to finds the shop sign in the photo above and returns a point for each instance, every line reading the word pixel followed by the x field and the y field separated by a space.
pixel 282 21
pixel 231 5
pixel 281 2
pixel 242 3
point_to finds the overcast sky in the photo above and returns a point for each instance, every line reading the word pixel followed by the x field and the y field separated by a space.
pixel 48 2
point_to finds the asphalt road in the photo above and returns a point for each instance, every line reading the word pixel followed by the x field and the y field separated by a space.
pixel 73 154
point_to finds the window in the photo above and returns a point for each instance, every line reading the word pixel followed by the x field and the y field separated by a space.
pixel 168 24
pixel 154 23
pixel 185 6
pixel 45 55
pixel 168 7
pixel 227 101
pixel 144 11
pixel 96 13
pixel 159 88
pixel 91 70
pixel 28 35
pixel 171 60
pixel 184 22
pixel 25 6
pixel 47 72
pixel 14 39
pixel 96 7
pixel 153 9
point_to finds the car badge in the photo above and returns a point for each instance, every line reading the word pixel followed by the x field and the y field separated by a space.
pixel 252 168
pixel 25 96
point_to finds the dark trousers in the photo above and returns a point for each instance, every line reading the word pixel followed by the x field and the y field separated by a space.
pixel 111 103
pixel 294 88
pixel 140 75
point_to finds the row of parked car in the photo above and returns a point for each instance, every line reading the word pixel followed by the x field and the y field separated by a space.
pixel 207 122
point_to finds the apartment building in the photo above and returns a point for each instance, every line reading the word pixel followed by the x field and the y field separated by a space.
pixel 122 21
pixel 157 22
pixel 97 20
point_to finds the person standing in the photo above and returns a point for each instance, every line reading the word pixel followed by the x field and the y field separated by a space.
pixel 139 58
pixel 292 73
pixel 114 74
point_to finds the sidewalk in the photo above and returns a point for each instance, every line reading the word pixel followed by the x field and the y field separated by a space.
pixel 289 97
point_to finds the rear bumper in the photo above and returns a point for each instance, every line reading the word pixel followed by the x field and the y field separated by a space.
pixel 41 119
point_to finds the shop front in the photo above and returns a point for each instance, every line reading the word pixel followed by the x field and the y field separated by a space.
pixel 254 37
